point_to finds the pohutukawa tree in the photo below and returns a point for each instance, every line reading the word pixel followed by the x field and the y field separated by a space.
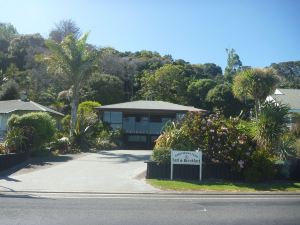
pixel 74 62
pixel 255 84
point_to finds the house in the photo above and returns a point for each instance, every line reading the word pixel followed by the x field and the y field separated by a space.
pixel 142 121
pixel 7 108
pixel 290 97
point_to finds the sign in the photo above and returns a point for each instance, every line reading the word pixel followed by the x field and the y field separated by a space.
pixel 186 158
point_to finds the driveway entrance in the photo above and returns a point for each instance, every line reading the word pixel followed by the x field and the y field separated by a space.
pixel 118 171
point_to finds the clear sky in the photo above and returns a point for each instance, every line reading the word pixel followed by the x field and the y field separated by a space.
pixel 261 31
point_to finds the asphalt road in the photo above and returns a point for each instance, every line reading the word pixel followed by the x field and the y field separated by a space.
pixel 149 209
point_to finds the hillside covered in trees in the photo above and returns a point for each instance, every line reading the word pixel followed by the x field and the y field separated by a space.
pixel 122 76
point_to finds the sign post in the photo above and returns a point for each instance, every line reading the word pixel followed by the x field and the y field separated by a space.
pixel 186 158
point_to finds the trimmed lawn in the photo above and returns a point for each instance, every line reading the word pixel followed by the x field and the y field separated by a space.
pixel 184 185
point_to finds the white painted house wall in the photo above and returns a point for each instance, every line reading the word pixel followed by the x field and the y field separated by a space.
pixel 3 122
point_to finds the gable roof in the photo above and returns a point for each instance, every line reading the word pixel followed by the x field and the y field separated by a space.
pixel 19 105
pixel 290 97
pixel 150 106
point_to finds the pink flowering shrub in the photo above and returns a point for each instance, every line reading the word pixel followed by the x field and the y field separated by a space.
pixel 221 140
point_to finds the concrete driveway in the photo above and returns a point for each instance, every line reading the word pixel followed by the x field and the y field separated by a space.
pixel 119 171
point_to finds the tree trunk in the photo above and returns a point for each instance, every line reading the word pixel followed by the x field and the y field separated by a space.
pixel 256 109
pixel 74 108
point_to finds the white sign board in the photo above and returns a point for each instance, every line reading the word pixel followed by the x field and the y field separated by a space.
pixel 186 158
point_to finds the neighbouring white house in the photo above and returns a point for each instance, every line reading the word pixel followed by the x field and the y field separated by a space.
pixel 19 107
pixel 290 97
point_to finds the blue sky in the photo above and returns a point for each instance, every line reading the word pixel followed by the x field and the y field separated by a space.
pixel 261 31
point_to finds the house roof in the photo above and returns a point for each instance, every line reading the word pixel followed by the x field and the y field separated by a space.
pixel 19 105
pixel 289 97
pixel 150 106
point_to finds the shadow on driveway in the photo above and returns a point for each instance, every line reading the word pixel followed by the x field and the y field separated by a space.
pixel 124 157
pixel 33 163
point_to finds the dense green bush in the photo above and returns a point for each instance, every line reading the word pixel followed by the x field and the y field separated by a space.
pixel 261 167
pixel 271 126
pixel 221 140
pixel 62 145
pixel 16 140
pixel 65 122
pixel 88 107
pixel 38 128
pixel 109 139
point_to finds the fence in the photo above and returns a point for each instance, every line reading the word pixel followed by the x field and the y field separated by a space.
pixel 216 171
pixel 191 172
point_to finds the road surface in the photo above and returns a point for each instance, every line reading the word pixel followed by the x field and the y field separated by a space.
pixel 150 209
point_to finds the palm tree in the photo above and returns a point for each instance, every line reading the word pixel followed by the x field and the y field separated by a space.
pixel 75 62
pixel 255 84
pixel 271 126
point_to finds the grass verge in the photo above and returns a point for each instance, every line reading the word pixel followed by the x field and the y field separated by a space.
pixel 184 185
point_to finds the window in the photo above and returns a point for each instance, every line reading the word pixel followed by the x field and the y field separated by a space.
pixel 114 119
pixel 106 117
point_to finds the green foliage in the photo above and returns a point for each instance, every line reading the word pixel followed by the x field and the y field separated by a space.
pixel 198 90
pixel 168 83
pixel 74 62
pixel 234 64
pixel 271 125
pixel 7 31
pixel 65 122
pixel 222 99
pixel 221 140
pixel 10 91
pixel 37 128
pixel 88 107
pixel 82 137
pixel 104 88
pixel 261 168
pixel 62 145
pixel 296 124
pixel 109 139
pixel 16 141
pixel 289 73
pixel 287 146
pixel 63 29
pixel 161 155
pixel 255 84
pixel 3 149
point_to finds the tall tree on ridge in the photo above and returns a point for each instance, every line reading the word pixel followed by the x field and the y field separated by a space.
pixel 63 29
pixel 234 64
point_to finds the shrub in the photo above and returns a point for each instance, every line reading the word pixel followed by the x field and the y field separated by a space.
pixel 87 107
pixel 38 128
pixel 271 125
pixel 261 167
pixel 16 140
pixel 161 155
pixel 65 122
pixel 221 140
pixel 10 91
pixel 3 149
pixel 62 145
pixel 108 139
